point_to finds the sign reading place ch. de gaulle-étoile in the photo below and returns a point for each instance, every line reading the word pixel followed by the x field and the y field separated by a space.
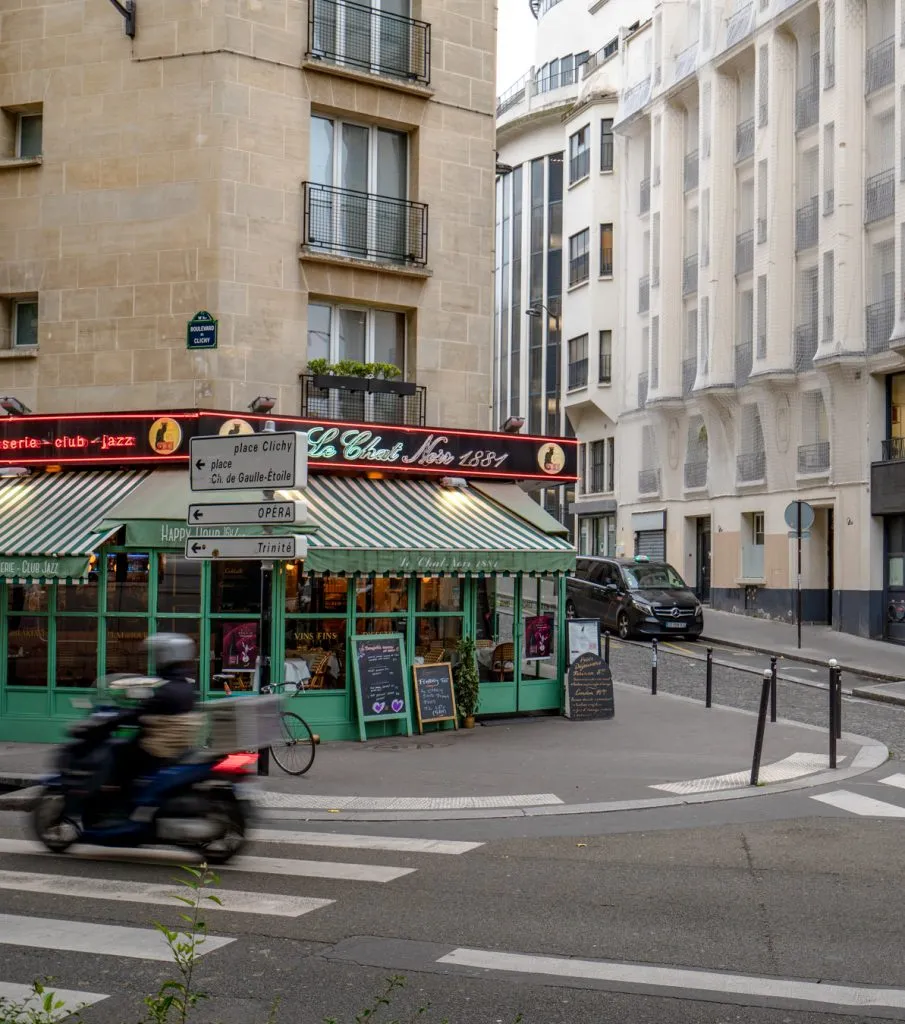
pixel 589 689
pixel 201 331
pixel 378 669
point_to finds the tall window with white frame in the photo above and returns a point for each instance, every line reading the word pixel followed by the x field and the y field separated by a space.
pixel 579 258
pixel 578 362
pixel 607 154
pixel 605 357
pixel 580 154
pixel 29 136
pixel 23 315
pixel 606 250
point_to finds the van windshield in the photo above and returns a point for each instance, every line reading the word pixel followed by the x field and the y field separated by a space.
pixel 653 576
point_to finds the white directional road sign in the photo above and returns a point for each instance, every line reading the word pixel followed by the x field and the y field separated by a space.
pixel 236 462
pixel 265 513
pixel 294 546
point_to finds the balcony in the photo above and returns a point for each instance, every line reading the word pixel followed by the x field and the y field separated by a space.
pixel 691 171
pixel 880 66
pixel 362 400
pixel 689 373
pixel 695 475
pixel 880 196
pixel 813 458
pixel 371 40
pixel 605 370
pixel 807 106
pixel 744 252
pixel 744 139
pixel 363 225
pixel 579 166
pixel 739 25
pixel 806 219
pixel 514 95
pixel 805 347
pixel 690 274
pixel 577 373
pixel 644 294
pixel 642 390
pixel 644 196
pixel 880 319
pixel 648 481
pixel 893 449
pixel 751 466
pixel 744 360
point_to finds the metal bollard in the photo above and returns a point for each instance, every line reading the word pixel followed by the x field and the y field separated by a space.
pixel 761 725
pixel 708 685
pixel 833 682
pixel 653 666
pixel 606 647
pixel 773 689
pixel 838 702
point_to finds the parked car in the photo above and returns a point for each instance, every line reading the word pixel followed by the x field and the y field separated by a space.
pixel 634 596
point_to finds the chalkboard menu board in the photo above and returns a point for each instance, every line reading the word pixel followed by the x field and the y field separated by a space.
pixel 380 691
pixel 589 690
pixel 435 699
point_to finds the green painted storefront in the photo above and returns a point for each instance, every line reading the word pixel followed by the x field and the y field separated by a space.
pixel 91 562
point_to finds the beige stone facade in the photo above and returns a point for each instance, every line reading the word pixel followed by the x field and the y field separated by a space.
pixel 170 181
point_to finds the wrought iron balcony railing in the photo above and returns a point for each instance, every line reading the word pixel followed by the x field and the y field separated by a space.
pixel 363 37
pixel 806 220
pixel 744 139
pixel 880 66
pixel 893 449
pixel 692 164
pixel 642 390
pixel 751 466
pixel 648 481
pixel 578 373
pixel 744 252
pixel 805 347
pixel 644 196
pixel 690 274
pixel 644 294
pixel 807 106
pixel 744 361
pixel 880 319
pixel 605 370
pixel 364 225
pixel 514 95
pixel 362 400
pixel 814 458
pixel 880 196
pixel 695 474
pixel 689 373
pixel 739 25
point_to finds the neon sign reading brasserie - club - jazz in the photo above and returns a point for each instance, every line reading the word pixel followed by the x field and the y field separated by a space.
pixel 158 438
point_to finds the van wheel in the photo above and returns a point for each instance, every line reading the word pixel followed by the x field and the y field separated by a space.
pixel 622 626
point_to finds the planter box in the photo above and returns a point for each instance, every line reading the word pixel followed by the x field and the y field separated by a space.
pixel 328 381
pixel 391 387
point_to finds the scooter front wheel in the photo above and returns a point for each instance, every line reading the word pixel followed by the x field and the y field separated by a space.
pixel 232 838
pixel 50 823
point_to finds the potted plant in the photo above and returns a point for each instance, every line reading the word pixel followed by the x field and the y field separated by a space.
pixel 382 380
pixel 353 375
pixel 466 681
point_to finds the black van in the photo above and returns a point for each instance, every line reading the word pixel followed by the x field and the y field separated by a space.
pixel 634 596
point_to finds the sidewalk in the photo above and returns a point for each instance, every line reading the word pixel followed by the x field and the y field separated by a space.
pixel 658 751
pixel 818 644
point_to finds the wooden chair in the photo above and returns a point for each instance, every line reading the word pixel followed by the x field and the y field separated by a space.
pixel 503 659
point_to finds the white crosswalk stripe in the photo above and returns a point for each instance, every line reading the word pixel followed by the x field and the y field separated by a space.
pixel 96 940
pixel 23 995
pixel 865 806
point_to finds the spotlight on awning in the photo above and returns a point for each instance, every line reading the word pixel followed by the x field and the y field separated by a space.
pixel 262 404
pixel 13 407
pixel 13 471
pixel 454 483
pixel 513 425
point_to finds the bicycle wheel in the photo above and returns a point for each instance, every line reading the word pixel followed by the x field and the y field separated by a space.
pixel 294 752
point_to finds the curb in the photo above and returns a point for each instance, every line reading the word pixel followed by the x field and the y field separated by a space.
pixel 883 698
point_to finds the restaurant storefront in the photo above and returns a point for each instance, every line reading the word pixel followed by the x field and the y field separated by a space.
pixel 410 530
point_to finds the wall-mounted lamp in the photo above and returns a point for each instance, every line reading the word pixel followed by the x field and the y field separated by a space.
pixel 537 308
pixel 262 404
pixel 13 407
pixel 13 471
pixel 454 483
pixel 513 425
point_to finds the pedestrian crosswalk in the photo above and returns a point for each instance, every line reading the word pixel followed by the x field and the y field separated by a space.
pixel 868 806
pixel 27 867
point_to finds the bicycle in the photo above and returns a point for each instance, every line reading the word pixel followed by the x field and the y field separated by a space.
pixel 294 752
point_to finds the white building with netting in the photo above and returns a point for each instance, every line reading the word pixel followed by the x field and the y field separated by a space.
pixel 762 302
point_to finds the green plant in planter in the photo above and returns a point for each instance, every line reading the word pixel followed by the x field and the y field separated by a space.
pixel 318 366
pixel 466 681
pixel 349 368
pixel 386 371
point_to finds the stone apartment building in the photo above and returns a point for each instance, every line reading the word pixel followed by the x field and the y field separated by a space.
pixel 300 170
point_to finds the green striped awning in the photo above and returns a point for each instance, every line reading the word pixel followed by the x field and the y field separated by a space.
pixel 50 522
pixel 405 526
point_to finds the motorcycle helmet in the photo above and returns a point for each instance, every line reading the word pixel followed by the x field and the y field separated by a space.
pixel 169 650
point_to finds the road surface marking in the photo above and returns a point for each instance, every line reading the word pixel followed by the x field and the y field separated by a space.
pixel 894 780
pixel 256 865
pixel 396 844
pixel 866 806
pixel 268 798
pixel 719 984
pixel 795 766
pixel 24 995
pixel 147 892
pixel 87 937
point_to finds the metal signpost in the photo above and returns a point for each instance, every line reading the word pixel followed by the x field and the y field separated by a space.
pixel 266 461
pixel 799 516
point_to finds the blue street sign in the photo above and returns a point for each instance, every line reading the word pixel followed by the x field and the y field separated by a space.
pixel 201 331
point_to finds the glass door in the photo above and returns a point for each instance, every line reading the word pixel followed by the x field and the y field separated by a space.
pixel 391 221
pixel 353 178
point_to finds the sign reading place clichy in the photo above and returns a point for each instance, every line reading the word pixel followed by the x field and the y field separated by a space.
pixel 246 548
pixel 237 462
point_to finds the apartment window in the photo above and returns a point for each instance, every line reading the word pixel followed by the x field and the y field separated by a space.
pixel 579 257
pixel 762 194
pixel 366 335
pixel 705 121
pixel 606 144
pixel 605 357
pixel 578 362
pixel 24 325
pixel 762 316
pixel 763 84
pixel 704 360
pixel 829 168
pixel 597 535
pixel 655 251
pixel 705 228
pixel 829 289
pixel 829 44
pixel 29 135
pixel 606 250
pixel 601 464
pixel 753 545
pixel 580 154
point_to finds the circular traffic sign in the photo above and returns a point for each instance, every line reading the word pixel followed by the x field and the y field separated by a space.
pixel 807 515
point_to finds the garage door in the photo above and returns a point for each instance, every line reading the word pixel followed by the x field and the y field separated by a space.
pixel 651 543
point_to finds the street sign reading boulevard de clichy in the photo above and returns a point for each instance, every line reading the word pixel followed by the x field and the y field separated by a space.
pixel 236 462
pixel 248 513
pixel 247 548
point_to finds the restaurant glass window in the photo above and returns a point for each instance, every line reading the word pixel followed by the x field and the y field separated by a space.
pixel 316 652
pixel 235 587
pixel 190 627
pixel 79 597
pixel 494 633
pixel 440 594
pixel 127 582
pixel 379 594
pixel 539 628
pixel 234 629
pixel 438 627
pixel 178 584
pixel 28 616
pixel 76 650
pixel 314 595
pixel 896 417
pixel 125 637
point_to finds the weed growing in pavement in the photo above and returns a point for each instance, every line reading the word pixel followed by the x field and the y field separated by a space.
pixel 41 1007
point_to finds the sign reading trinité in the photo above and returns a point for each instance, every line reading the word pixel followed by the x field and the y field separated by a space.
pixel 156 438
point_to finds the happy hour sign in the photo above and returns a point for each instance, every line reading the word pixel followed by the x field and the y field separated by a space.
pixel 379 670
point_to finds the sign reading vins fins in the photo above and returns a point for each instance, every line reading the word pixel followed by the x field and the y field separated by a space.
pixel 380 690
pixel 589 690
pixel 435 699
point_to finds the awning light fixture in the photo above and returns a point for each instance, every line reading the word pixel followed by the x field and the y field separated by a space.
pixel 262 404
pixel 13 407
pixel 454 483
pixel 513 425
pixel 13 471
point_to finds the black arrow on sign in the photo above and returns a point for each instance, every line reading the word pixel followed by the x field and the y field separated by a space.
pixel 198 547
pixel 197 514
pixel 200 464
